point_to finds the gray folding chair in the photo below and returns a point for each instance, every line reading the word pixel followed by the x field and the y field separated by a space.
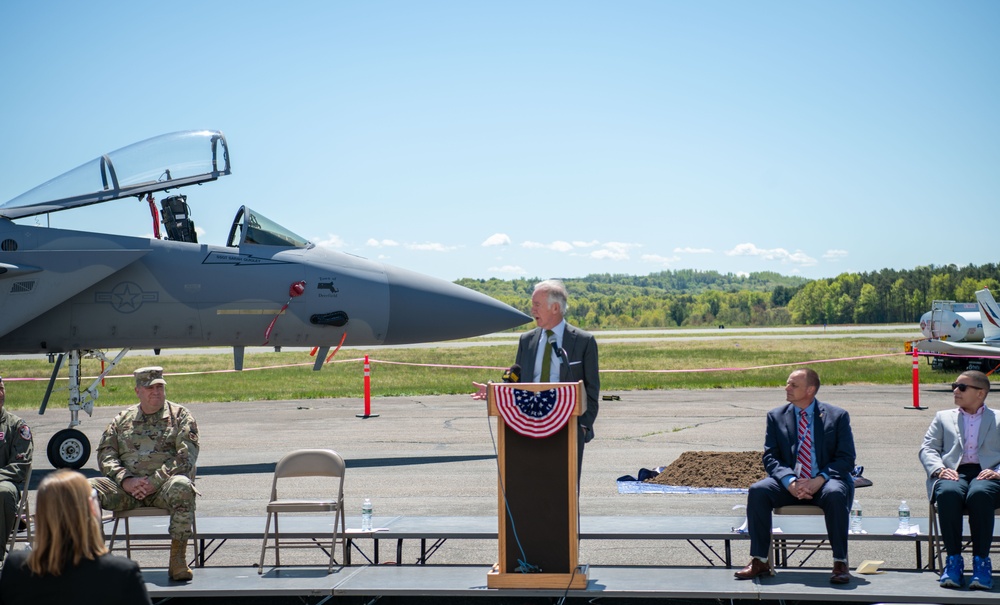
pixel 935 544
pixel 23 513
pixel 151 543
pixel 782 548
pixel 307 463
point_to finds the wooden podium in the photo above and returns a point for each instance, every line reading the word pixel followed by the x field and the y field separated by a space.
pixel 537 511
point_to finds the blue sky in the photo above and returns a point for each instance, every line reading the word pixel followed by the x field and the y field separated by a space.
pixel 538 139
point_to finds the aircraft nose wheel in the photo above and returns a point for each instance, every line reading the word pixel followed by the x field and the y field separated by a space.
pixel 69 448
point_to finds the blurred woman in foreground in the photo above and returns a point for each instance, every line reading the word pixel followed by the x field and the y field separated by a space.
pixel 69 562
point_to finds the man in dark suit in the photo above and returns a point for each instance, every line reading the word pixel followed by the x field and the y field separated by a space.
pixel 572 353
pixel 809 456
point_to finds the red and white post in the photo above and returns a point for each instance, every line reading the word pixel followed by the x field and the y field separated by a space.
pixel 368 392
pixel 916 382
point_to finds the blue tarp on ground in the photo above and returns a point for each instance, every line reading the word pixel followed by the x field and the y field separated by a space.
pixel 627 484
pixel 640 487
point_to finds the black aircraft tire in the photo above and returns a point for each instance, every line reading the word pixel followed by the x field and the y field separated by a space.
pixel 69 448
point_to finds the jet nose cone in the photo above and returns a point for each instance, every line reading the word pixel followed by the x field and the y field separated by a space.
pixel 428 309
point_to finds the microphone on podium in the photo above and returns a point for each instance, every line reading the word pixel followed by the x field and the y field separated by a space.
pixel 560 352
pixel 512 374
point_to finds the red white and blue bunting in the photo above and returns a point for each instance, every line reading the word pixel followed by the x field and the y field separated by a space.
pixel 535 414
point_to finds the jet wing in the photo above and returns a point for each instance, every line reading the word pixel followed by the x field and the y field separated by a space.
pixel 42 279
pixel 165 162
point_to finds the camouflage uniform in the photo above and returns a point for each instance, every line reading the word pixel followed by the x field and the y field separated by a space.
pixel 163 447
pixel 16 448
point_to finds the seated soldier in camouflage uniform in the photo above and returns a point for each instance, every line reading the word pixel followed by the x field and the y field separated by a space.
pixel 16 447
pixel 148 455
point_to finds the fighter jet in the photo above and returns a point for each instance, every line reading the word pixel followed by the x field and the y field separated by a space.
pixel 975 356
pixel 73 293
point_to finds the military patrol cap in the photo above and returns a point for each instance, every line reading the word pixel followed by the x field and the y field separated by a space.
pixel 147 377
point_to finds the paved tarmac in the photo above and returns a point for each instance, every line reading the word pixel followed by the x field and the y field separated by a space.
pixel 435 456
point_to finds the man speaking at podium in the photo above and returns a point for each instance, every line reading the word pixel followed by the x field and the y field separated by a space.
pixel 555 351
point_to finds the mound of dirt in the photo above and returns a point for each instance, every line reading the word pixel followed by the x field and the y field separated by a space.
pixel 713 469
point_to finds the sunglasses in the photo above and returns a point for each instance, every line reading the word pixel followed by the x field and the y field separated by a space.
pixel 961 387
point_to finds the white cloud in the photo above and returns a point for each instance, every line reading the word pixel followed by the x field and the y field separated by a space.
pixel 609 250
pixel 801 258
pixel 835 254
pixel 604 253
pixel 613 251
pixel 425 247
pixel 692 250
pixel 431 247
pixel 743 274
pixel 331 241
pixel 557 246
pixel 508 270
pixel 386 243
pixel 779 254
pixel 656 259
pixel 497 239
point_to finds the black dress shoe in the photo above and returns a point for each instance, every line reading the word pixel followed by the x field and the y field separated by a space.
pixel 755 568
pixel 841 573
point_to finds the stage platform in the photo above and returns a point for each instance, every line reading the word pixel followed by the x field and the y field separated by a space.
pixel 469 582
pixel 710 537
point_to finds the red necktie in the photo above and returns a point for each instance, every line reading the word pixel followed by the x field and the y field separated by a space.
pixel 804 457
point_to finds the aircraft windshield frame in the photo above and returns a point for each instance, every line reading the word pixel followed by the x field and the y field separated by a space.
pixel 169 161
pixel 258 230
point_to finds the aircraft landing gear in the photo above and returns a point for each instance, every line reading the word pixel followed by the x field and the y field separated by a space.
pixel 69 448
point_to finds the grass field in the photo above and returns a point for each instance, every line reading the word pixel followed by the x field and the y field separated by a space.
pixel 656 364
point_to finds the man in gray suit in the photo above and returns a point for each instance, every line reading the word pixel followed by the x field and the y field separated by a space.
pixel 961 454
pixel 571 352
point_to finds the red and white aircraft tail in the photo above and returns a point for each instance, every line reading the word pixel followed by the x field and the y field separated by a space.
pixel 983 356
pixel 990 313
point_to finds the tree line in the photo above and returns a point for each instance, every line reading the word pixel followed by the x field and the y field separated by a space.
pixel 688 297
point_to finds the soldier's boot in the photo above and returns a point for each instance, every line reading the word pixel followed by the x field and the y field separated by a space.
pixel 178 561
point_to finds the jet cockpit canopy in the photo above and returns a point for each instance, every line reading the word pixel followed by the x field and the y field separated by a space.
pixel 169 161
pixel 256 229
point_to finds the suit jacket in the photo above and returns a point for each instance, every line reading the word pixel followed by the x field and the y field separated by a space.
pixel 581 351
pixel 945 441
pixel 106 580
pixel 833 442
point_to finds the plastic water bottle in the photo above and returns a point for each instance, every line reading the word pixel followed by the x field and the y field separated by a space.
pixel 904 517
pixel 856 518
pixel 366 515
